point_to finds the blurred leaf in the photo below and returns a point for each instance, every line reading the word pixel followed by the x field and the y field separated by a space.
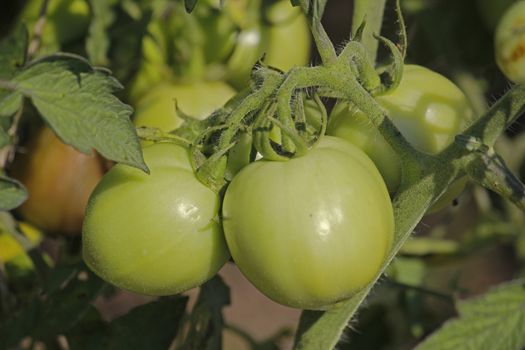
pixel 50 315
pixel 162 319
pixel 407 270
pixel 77 101
pixel 12 193
pixel 13 51
pixel 9 103
pixel 190 5
pixel 97 42
pixel 428 245
pixel 495 320
pixel 90 334
pixel 206 321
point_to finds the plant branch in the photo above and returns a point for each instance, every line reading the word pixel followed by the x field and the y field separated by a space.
pixel 35 43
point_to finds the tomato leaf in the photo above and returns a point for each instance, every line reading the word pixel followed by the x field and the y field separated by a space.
pixel 12 192
pixel 77 102
pixel 494 320
pixel 97 42
pixel 13 51
pixel 206 321
pixel 47 316
pixel 190 5
pixel 162 317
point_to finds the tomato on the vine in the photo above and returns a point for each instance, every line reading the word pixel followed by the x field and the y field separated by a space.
pixel 288 36
pixel 311 231
pixel 510 43
pixel 198 100
pixel 427 108
pixel 59 180
pixel 282 36
pixel 156 234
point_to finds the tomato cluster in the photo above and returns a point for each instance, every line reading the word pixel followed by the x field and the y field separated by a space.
pixel 308 232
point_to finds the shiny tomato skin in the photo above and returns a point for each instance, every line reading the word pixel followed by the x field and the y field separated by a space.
pixel 427 108
pixel 198 100
pixel 311 231
pixel 156 234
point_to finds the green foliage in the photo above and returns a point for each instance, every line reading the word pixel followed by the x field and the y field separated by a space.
pixel 88 115
pixel 162 318
pixel 494 320
pixel 12 193
pixel 97 42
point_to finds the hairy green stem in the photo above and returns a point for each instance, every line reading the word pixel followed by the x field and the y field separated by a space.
pixel 500 116
pixel 322 42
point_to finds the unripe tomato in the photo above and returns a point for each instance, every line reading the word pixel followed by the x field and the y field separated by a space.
pixel 59 180
pixel 155 234
pixel 510 43
pixel 426 107
pixel 288 36
pixel 199 99
pixel 282 35
pixel 311 231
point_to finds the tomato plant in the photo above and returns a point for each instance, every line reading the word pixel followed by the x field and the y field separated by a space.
pixel 510 43
pixel 290 226
pixel 311 220
pixel 164 226
pixel 427 108
pixel 158 107
pixel 59 179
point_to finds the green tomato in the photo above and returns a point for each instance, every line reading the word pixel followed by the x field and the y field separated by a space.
pixel 288 36
pixel 282 36
pixel 426 107
pixel 311 231
pixel 157 108
pixel 249 48
pixel 510 43
pixel 155 234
